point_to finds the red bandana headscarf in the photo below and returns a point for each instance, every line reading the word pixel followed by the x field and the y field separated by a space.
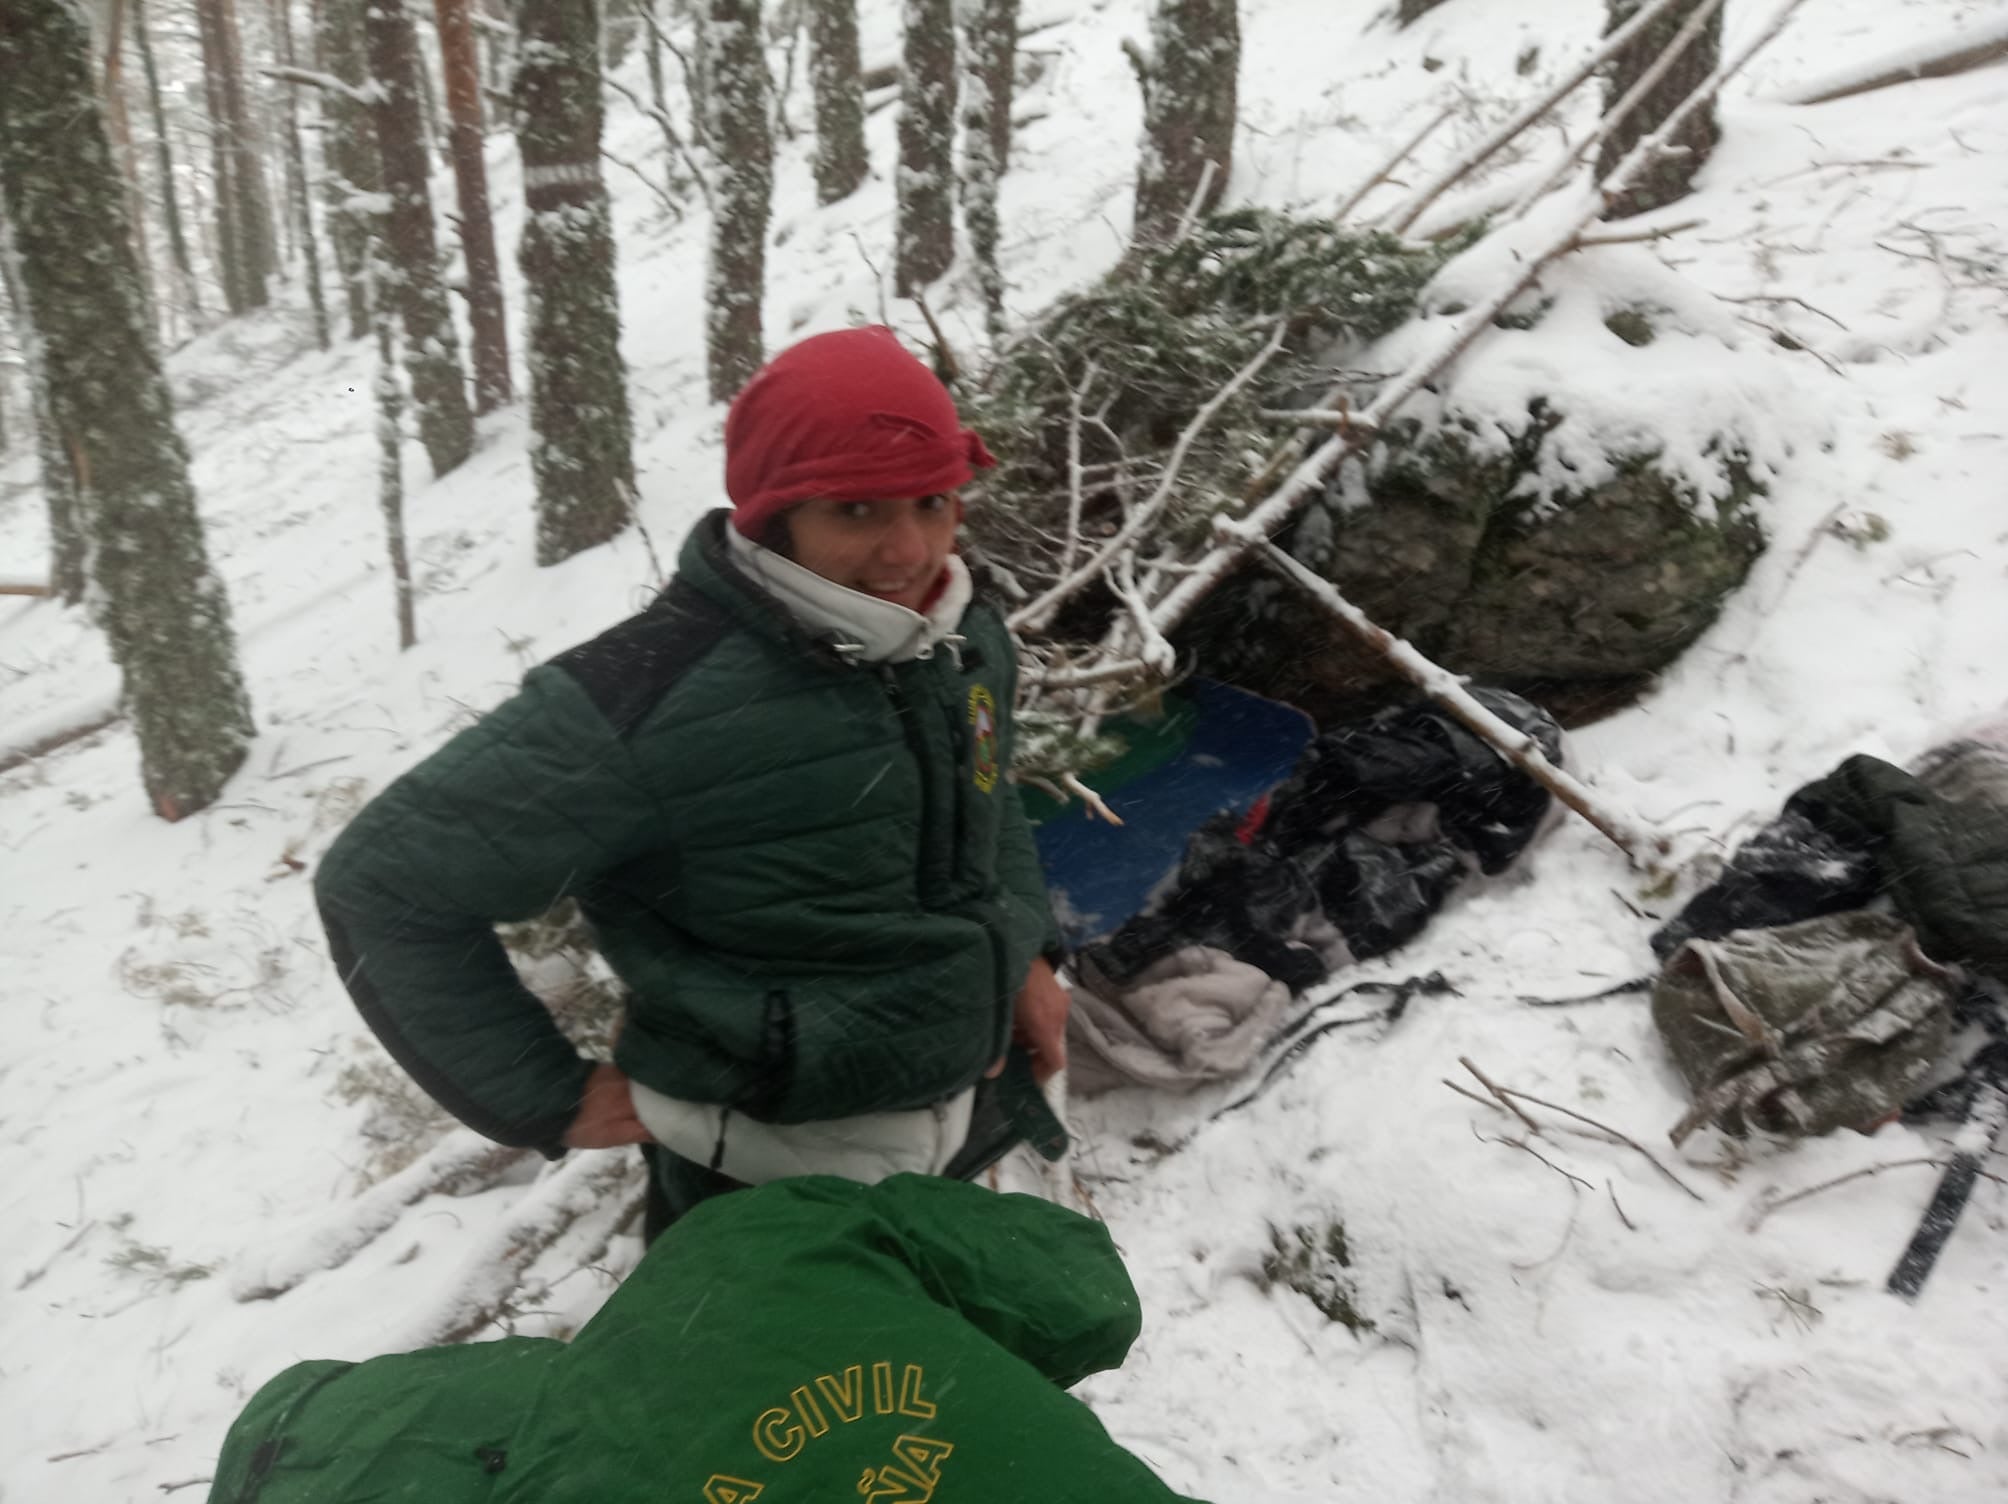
pixel 848 416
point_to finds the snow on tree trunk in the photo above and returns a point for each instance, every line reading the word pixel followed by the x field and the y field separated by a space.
pixel 244 208
pixel 990 46
pixel 1668 179
pixel 431 347
pixel 300 198
pixel 924 227
pixel 991 29
pixel 67 554
pixel 837 80
pixel 583 452
pixel 177 240
pixel 461 69
pixel 155 596
pixel 390 471
pixel 741 191
pixel 1190 86
pixel 348 146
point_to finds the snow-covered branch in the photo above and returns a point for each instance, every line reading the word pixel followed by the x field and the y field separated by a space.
pixel 1447 689
pixel 353 93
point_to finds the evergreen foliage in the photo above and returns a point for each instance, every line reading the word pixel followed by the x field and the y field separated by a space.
pixel 156 598
pixel 411 261
pixel 1190 101
pixel 741 192
pixel 583 452
pixel 924 230
pixel 1147 348
pixel 837 81
pixel 1668 179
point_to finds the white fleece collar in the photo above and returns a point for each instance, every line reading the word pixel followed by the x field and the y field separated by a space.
pixel 866 628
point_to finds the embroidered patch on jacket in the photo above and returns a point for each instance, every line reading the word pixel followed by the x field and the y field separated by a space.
pixel 983 736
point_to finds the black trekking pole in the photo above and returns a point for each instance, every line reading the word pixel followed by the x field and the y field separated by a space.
pixel 1986 1114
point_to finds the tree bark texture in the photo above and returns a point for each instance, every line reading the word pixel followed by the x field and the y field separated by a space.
pixel 836 79
pixel 156 597
pixel 299 195
pixel 583 451
pixel 990 44
pixel 68 557
pixel 177 240
pixel 1190 102
pixel 244 207
pixel 390 473
pixel 460 66
pixel 991 37
pixel 1669 179
pixel 742 192
pixel 348 146
pixel 411 275
pixel 924 223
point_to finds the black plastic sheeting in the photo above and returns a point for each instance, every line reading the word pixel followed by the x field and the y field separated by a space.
pixel 1374 828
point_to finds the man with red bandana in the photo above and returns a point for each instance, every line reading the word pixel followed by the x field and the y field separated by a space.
pixel 775 794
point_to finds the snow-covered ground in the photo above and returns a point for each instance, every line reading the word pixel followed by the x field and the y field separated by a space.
pixel 171 1123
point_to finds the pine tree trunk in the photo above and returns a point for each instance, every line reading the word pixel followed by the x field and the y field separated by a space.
pixel 583 451
pixel 177 240
pixel 742 191
pixel 924 225
pixel 157 599
pixel 1190 89
pixel 118 122
pixel 348 146
pixel 461 68
pixel 837 81
pixel 990 44
pixel 431 345
pixel 249 205
pixel 390 472
pixel 299 195
pixel 231 273
pixel 992 39
pixel 68 556
pixel 1670 178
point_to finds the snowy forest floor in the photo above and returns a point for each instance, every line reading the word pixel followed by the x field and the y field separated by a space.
pixel 184 1088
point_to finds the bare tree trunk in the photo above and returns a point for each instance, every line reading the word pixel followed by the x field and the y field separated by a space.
pixel 68 554
pixel 1668 179
pixel 741 194
pixel 1190 92
pixel 924 228
pixel 837 82
pixel 177 241
pixel 299 196
pixel 990 46
pixel 231 267
pixel 249 209
pixel 431 345
pixel 992 33
pixel 118 121
pixel 582 454
pixel 348 146
pixel 157 599
pixel 390 470
pixel 461 68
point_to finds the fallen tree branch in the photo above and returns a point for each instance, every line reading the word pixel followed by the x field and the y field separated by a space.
pixel 1939 58
pixel 36 588
pixel 1407 214
pixel 354 93
pixel 1446 689
pixel 1498 1095
pixel 1765 1209
pixel 461 1162
pixel 16 757
pixel 1504 1096
pixel 1352 200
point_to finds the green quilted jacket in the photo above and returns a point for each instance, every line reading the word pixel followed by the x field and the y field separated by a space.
pixel 810 873
pixel 810 1339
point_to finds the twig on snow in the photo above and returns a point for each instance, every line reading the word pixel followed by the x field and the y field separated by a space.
pixel 1763 1211
pixel 1499 1094
pixel 1407 148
